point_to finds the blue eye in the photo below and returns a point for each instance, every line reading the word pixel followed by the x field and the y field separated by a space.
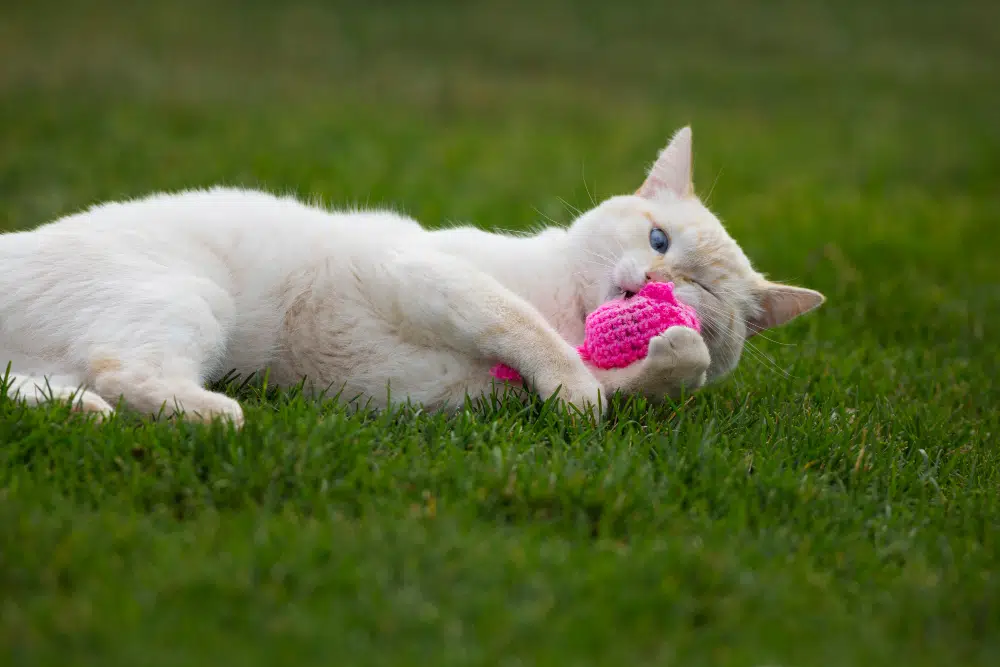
pixel 658 240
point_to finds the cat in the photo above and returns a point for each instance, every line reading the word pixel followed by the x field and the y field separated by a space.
pixel 147 300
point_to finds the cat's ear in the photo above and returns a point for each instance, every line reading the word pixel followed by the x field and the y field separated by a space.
pixel 672 170
pixel 779 304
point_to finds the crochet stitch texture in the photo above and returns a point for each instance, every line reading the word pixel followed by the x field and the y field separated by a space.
pixel 618 332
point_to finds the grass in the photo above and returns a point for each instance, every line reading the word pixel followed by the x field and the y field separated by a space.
pixel 837 505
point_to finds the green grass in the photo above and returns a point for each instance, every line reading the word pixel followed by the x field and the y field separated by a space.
pixel 837 506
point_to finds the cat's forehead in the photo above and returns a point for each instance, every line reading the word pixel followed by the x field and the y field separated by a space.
pixel 686 215
pixel 702 232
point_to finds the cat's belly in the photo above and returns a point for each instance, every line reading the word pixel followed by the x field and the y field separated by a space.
pixel 339 345
pixel 380 369
pixel 252 343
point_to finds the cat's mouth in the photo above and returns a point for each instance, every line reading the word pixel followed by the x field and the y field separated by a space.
pixel 617 292
pixel 630 291
pixel 627 291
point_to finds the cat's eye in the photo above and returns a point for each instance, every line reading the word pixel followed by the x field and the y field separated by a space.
pixel 658 240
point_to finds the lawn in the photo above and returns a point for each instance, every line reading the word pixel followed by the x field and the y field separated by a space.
pixel 835 502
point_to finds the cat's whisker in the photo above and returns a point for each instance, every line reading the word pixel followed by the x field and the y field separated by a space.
pixel 610 261
pixel 607 259
pixel 598 264
pixel 723 290
pixel 768 361
pixel 751 351
pixel 708 197
pixel 547 217
pixel 756 330
pixel 724 314
pixel 569 207
pixel 586 186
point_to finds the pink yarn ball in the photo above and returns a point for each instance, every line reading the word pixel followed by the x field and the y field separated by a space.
pixel 618 332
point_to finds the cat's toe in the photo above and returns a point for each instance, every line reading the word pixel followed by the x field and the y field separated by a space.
pixel 207 406
pixel 91 403
pixel 586 394
pixel 220 407
pixel 682 352
pixel 679 343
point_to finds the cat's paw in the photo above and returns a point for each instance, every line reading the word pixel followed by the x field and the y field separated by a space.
pixel 679 355
pixel 586 394
pixel 581 390
pixel 89 402
pixel 210 406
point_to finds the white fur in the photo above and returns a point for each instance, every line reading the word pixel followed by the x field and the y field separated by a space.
pixel 147 300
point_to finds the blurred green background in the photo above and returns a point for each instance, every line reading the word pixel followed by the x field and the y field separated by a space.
pixel 852 147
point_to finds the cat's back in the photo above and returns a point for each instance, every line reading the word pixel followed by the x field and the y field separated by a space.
pixel 217 209
pixel 251 237
pixel 234 219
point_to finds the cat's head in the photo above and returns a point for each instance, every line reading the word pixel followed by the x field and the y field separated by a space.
pixel 663 232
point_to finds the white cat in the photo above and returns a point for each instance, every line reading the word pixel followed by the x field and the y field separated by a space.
pixel 147 300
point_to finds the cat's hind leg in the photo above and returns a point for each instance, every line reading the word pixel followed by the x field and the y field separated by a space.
pixel 38 390
pixel 167 379
pixel 147 389
pixel 158 363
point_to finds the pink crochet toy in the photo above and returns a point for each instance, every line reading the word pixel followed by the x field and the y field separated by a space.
pixel 618 332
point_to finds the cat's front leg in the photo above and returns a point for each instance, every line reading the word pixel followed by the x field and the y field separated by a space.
pixel 442 301
pixel 677 362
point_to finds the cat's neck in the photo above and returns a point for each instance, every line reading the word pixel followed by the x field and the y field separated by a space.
pixel 541 268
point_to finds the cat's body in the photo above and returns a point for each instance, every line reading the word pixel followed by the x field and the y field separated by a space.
pixel 149 299
pixel 269 282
